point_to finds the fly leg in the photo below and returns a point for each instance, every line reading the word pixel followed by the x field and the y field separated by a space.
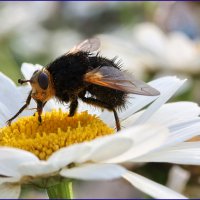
pixel 40 106
pixel 96 102
pixel 73 106
pixel 28 100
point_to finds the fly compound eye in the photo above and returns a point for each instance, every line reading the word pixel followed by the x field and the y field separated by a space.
pixel 43 80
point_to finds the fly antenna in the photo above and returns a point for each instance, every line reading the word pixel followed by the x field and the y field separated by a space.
pixel 20 81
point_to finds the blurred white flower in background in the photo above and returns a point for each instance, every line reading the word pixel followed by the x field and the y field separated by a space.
pixel 62 41
pixel 88 9
pixel 31 42
pixel 121 47
pixel 38 41
pixel 174 16
pixel 22 15
pixel 170 52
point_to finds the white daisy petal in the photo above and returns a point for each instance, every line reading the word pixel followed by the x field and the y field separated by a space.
pixel 65 156
pixel 172 86
pixel 94 172
pixel 175 138
pixel 147 138
pixel 53 104
pixel 183 125
pixel 11 158
pixel 170 114
pixel 4 114
pixel 182 134
pixel 25 89
pixel 10 191
pixel 36 168
pixel 174 113
pixel 109 149
pixel 89 108
pixel 186 145
pixel 8 91
pixel 151 188
pixel 178 136
pixel 184 153
pixel 28 69
pixel 115 145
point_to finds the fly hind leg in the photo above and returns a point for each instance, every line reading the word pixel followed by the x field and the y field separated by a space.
pixel 96 102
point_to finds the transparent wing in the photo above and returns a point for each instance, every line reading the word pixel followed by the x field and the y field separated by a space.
pixel 114 78
pixel 89 45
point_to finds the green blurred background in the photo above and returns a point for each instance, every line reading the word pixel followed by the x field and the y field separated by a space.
pixel 151 38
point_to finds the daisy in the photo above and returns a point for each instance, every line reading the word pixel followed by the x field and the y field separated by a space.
pixel 53 154
pixel 164 49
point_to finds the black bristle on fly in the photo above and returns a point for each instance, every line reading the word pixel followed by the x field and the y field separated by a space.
pixel 67 72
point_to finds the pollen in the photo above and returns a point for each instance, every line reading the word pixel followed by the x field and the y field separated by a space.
pixel 57 130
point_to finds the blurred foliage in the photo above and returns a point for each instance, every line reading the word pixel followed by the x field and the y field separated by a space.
pixel 8 63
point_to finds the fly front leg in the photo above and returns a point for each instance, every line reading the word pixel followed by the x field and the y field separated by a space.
pixel 40 106
pixel 28 100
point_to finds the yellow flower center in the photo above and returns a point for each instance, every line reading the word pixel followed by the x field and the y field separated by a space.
pixel 56 131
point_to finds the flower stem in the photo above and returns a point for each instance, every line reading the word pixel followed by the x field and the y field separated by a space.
pixel 63 190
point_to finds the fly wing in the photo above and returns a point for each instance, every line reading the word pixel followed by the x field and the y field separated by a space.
pixel 89 45
pixel 114 78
